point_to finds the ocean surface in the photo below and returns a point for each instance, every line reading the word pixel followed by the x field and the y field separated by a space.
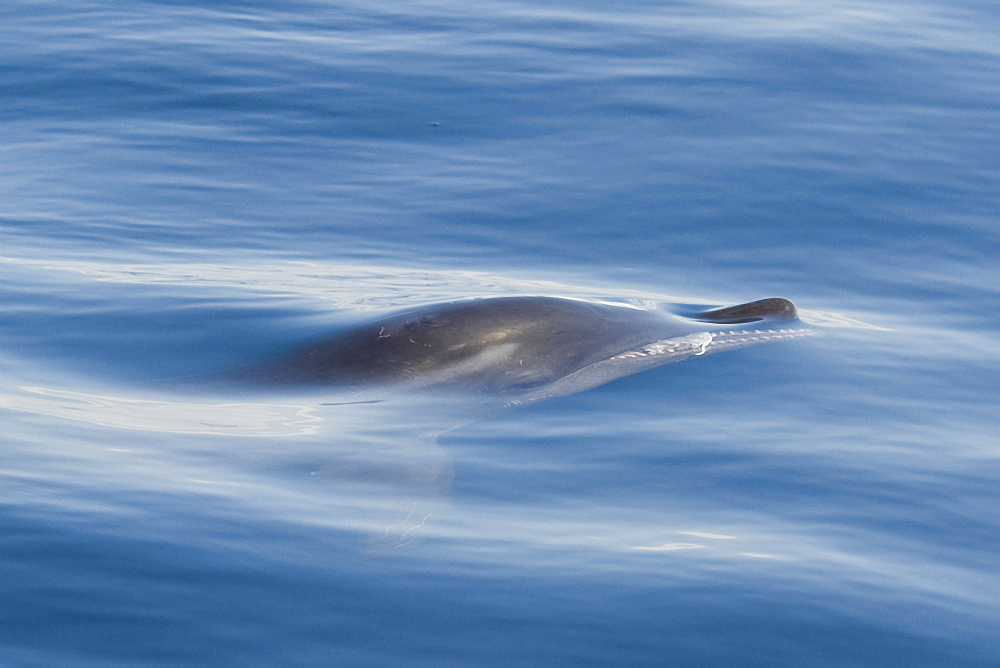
pixel 186 187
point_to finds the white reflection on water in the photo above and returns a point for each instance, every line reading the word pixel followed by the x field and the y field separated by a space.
pixel 238 419
pixel 369 288
pixel 358 287
pixel 373 469
pixel 669 547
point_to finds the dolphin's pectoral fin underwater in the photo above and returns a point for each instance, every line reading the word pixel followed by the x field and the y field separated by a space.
pixel 523 349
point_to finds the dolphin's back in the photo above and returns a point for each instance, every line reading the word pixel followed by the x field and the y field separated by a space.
pixel 498 344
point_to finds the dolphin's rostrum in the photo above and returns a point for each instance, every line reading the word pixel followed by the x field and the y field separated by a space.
pixel 523 349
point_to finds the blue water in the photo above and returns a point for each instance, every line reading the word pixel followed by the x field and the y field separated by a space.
pixel 191 186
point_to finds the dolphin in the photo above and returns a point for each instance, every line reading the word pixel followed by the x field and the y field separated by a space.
pixel 523 349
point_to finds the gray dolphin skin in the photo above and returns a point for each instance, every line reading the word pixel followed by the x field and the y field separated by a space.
pixel 524 349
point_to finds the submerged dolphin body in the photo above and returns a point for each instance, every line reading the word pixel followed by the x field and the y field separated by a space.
pixel 523 349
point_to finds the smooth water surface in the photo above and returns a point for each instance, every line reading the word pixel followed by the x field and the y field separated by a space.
pixel 189 187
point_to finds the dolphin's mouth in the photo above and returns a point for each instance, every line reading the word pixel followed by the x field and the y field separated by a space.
pixel 702 343
pixel 739 338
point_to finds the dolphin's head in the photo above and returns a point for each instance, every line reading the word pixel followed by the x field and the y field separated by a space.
pixel 538 346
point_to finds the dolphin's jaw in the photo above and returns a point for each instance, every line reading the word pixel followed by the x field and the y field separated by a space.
pixel 656 354
pixel 679 346
pixel 702 343
pixel 741 338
